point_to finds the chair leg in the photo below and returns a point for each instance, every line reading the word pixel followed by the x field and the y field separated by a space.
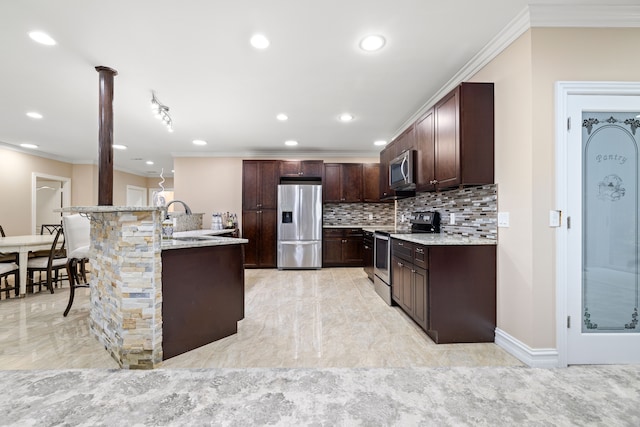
pixel 71 272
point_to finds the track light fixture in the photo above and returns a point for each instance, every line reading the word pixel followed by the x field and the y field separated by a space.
pixel 161 112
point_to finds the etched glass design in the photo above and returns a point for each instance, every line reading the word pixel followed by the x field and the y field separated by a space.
pixel 610 255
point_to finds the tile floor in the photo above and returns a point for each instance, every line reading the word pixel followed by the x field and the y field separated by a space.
pixel 325 318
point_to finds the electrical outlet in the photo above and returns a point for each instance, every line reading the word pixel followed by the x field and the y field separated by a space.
pixel 503 219
pixel 452 219
pixel 370 216
pixel 402 218
pixel 554 218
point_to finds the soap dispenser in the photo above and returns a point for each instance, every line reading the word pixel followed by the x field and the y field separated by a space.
pixel 167 228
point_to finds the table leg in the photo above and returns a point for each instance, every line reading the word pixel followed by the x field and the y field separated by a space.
pixel 23 259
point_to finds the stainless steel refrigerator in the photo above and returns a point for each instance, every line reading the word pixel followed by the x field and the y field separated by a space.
pixel 299 226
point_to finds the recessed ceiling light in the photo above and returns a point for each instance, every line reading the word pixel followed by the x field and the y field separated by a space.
pixel 149 162
pixel 291 143
pixel 42 38
pixel 372 43
pixel 345 117
pixel 199 142
pixel 282 117
pixel 28 145
pixel 34 115
pixel 259 41
pixel 380 142
pixel 119 147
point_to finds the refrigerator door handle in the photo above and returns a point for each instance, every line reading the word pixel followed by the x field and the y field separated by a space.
pixel 299 242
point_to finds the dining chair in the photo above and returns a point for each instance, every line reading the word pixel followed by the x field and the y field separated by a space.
pixel 49 228
pixel 8 267
pixel 78 234
pixel 55 261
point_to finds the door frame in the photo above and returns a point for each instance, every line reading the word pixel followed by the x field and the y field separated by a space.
pixel 66 192
pixel 563 90
pixel 143 190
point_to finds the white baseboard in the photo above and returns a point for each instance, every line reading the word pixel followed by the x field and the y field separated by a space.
pixel 532 357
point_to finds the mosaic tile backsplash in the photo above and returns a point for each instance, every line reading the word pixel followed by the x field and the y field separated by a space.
pixel 358 213
pixel 475 210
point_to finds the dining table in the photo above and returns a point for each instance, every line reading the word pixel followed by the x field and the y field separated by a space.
pixel 22 245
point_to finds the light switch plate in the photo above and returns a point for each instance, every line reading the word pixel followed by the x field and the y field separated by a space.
pixel 370 216
pixel 452 219
pixel 503 219
pixel 554 218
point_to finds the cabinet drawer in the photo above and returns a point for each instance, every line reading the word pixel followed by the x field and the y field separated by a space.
pixel 332 232
pixel 353 232
pixel 402 249
pixel 421 256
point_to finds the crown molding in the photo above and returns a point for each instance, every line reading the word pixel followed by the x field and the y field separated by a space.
pixel 514 29
pixel 586 15
pixel 536 15
pixel 280 154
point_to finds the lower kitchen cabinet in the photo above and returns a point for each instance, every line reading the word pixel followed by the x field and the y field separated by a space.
pixel 342 247
pixel 410 288
pixel 449 291
pixel 259 227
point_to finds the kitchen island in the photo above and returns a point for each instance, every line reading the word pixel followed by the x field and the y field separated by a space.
pixel 138 278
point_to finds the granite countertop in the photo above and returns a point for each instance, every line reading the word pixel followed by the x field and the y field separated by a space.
pixel 443 239
pixel 200 238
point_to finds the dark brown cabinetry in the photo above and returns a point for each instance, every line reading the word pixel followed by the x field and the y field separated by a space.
pixel 259 227
pixel 371 182
pixel 454 141
pixel 342 247
pixel 410 280
pixel 462 293
pixel 259 203
pixel 304 168
pixel 450 291
pixel 202 296
pixel 259 184
pixel 462 139
pixel 342 183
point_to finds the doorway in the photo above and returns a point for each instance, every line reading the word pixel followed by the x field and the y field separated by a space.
pixel 48 194
pixel 598 252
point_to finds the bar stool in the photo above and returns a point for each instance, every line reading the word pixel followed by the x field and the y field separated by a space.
pixel 77 230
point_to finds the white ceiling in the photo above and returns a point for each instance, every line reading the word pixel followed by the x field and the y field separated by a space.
pixel 196 56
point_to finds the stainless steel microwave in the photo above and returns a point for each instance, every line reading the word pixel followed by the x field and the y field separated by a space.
pixel 401 171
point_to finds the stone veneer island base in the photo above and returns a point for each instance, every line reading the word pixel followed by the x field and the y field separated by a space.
pixel 127 291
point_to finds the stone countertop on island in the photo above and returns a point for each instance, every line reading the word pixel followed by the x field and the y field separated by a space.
pixel 200 238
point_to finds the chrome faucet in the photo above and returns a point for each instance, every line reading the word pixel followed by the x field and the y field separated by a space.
pixel 187 209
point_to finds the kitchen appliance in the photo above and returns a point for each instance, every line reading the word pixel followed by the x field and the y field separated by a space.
pixel 401 171
pixel 421 222
pixel 299 226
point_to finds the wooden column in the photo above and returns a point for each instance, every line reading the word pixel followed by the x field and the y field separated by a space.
pixel 105 135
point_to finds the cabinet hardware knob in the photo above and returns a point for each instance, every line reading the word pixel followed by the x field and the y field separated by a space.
pixel 400 244
pixel 413 271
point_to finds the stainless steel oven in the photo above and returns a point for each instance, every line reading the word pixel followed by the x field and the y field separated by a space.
pixel 381 265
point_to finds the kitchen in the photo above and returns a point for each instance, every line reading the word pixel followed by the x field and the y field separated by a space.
pixel 525 266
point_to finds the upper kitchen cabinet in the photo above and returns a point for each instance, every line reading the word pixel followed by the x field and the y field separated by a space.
pixel 463 134
pixel 425 160
pixel 301 169
pixel 371 182
pixel 342 183
pixel 259 184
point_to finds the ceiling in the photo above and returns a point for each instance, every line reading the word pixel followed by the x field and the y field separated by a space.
pixel 197 58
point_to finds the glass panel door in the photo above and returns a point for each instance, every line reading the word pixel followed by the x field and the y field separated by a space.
pixel 610 248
